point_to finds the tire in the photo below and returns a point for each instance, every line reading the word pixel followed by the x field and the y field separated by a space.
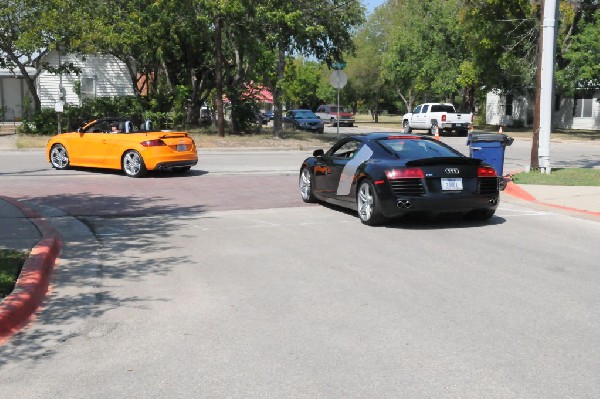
pixel 306 187
pixel 332 121
pixel 367 203
pixel 59 157
pixel 406 127
pixel 133 164
pixel 463 133
pixel 434 124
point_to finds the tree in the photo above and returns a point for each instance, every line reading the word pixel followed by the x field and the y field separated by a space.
pixel 424 49
pixel 301 27
pixel 30 29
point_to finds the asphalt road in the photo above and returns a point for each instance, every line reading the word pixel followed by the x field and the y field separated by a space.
pixel 222 283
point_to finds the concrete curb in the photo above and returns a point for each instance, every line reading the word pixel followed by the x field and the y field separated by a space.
pixel 32 285
pixel 516 191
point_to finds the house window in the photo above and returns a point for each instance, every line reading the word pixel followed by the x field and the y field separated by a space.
pixel 509 104
pixel 583 107
pixel 88 88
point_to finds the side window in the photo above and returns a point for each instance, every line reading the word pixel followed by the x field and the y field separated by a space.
pixel 320 109
pixel 417 110
pixel 346 150
pixel 425 108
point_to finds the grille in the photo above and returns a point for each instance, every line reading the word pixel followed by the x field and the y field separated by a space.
pixel 403 187
pixel 488 185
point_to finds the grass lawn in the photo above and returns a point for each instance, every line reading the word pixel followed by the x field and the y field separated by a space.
pixel 561 177
pixel 10 267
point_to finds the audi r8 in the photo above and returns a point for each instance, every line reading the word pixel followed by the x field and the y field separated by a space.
pixel 383 176
pixel 115 143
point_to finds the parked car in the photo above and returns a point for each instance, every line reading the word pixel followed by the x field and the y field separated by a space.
pixel 115 143
pixel 443 116
pixel 382 176
pixel 303 119
pixel 329 114
pixel 268 115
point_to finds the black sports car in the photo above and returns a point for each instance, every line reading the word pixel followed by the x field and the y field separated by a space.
pixel 385 175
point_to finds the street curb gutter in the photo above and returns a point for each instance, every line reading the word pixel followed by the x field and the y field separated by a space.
pixel 516 191
pixel 32 285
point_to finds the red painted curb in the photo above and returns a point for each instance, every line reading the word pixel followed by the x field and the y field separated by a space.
pixel 516 191
pixel 32 285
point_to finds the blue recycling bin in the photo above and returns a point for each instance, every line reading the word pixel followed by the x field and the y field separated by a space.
pixel 489 147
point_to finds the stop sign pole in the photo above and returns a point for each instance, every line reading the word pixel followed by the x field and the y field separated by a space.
pixel 338 79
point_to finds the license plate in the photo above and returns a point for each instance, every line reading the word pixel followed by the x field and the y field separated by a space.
pixel 452 184
pixel 181 147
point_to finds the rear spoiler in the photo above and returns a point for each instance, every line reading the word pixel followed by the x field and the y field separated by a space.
pixel 444 160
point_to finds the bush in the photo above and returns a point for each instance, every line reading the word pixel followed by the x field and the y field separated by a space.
pixel 158 109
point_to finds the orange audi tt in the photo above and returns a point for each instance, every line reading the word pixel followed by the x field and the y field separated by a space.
pixel 114 143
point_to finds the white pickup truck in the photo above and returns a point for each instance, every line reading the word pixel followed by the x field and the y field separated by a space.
pixel 429 115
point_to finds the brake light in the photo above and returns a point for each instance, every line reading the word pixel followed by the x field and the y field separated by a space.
pixel 444 118
pixel 410 173
pixel 153 143
pixel 486 171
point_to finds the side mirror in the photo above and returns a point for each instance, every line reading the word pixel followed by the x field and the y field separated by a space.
pixel 318 153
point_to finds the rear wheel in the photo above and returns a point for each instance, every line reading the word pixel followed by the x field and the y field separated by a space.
pixel 133 164
pixel 305 183
pixel 59 157
pixel 434 125
pixel 369 210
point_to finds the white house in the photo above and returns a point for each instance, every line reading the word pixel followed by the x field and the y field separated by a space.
pixel 581 112
pixel 101 76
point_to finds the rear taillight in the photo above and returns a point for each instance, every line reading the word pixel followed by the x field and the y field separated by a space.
pixel 444 118
pixel 403 173
pixel 486 171
pixel 153 143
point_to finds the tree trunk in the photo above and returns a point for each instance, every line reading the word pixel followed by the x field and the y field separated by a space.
pixel 278 93
pixel 534 162
pixel 219 77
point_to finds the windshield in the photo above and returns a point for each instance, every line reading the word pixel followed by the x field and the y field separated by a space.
pixel 442 108
pixel 417 148
pixel 304 115
pixel 334 110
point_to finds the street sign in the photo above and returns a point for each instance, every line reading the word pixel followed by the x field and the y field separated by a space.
pixel 338 79
pixel 338 65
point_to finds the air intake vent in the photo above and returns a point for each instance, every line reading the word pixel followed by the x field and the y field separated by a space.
pixel 404 187
pixel 488 185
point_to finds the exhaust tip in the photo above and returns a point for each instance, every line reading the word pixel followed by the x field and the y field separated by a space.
pixel 404 204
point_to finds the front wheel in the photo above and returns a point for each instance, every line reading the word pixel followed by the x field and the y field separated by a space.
pixel 133 164
pixel 333 123
pixel 306 188
pixel 369 210
pixel 59 157
pixel 406 127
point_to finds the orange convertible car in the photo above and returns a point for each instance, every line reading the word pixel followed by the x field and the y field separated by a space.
pixel 114 143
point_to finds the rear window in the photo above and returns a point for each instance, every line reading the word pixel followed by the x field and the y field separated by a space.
pixel 407 148
pixel 442 108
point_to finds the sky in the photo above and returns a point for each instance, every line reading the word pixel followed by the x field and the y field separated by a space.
pixel 371 4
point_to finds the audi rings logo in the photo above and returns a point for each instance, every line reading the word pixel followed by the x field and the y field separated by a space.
pixel 452 171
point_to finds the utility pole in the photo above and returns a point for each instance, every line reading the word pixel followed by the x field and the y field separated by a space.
pixel 540 151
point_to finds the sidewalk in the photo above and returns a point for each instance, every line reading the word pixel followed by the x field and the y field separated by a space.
pixel 584 199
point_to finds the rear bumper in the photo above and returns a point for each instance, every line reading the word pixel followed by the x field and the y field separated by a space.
pixel 174 164
pixel 438 204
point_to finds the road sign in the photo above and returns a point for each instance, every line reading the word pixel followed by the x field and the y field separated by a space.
pixel 338 65
pixel 338 79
